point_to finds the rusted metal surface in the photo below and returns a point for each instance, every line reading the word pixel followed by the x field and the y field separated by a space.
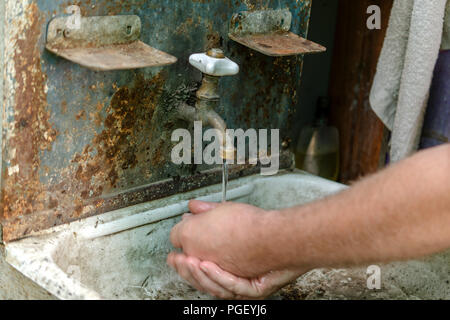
pixel 143 194
pixel 76 142
pixel 267 31
pixel 104 43
pixel 278 44
pixel 134 55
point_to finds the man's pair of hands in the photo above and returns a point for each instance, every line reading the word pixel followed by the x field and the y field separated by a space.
pixel 224 253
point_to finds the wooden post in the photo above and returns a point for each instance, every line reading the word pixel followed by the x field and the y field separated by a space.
pixel 354 65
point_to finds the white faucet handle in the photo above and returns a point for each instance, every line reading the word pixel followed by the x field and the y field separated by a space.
pixel 214 63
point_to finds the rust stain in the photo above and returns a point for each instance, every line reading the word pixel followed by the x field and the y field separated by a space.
pixel 33 133
pixel 118 147
pixel 81 115
pixel 131 112
pixel 64 107
pixel 213 38
pixel 124 142
pixel 189 23
pixel 27 204
pixel 268 97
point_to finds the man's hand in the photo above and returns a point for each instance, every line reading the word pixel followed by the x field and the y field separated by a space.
pixel 225 234
pixel 232 235
pixel 208 277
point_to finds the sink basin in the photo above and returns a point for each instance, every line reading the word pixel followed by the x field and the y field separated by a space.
pixel 122 254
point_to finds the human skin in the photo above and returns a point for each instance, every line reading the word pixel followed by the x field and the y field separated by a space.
pixel 239 251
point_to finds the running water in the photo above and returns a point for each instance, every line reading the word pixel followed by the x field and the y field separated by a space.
pixel 224 181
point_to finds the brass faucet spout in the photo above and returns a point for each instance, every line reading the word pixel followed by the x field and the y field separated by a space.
pixel 211 118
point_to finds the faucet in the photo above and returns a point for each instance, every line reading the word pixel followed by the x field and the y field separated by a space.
pixel 213 64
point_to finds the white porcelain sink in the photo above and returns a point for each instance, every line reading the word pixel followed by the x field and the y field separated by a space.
pixel 122 254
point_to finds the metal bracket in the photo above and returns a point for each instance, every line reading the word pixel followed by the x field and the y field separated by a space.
pixel 104 43
pixel 267 31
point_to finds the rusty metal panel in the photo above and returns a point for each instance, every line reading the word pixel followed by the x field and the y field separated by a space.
pixel 2 64
pixel 76 142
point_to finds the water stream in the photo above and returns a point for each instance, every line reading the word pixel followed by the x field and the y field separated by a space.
pixel 224 181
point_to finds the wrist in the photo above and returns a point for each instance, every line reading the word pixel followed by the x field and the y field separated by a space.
pixel 289 238
pixel 274 240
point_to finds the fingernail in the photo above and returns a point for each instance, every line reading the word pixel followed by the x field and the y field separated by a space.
pixel 203 268
pixel 187 215
pixel 205 206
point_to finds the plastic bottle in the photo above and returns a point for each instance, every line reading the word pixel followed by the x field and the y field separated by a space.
pixel 317 150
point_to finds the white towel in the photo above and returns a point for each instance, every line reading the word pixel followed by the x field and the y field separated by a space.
pixel 401 85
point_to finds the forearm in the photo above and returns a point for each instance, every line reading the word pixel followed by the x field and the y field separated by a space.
pixel 401 213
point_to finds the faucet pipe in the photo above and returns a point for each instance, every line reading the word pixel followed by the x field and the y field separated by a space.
pixel 211 118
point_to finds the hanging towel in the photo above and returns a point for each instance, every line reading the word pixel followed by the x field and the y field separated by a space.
pixel 436 128
pixel 400 89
